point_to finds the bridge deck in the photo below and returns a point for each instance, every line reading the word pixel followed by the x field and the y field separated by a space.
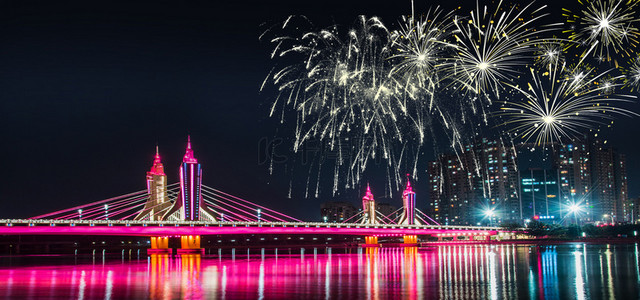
pixel 157 228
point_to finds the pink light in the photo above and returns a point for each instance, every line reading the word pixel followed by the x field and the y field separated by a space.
pixel 170 230
pixel 193 192
pixel 157 168
pixel 182 188
pixel 188 155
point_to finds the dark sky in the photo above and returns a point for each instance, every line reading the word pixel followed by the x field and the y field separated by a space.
pixel 87 89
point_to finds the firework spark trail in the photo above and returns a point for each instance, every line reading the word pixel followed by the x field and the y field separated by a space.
pixel 420 51
pixel 371 94
pixel 609 25
pixel 492 47
pixel 550 53
pixel 561 106
pixel 633 74
pixel 344 96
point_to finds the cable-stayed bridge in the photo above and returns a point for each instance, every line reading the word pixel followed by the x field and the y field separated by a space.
pixel 189 209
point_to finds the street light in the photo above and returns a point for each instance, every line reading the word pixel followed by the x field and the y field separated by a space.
pixel 325 219
pixel 490 213
pixel 574 209
pixel 79 214
pixel 259 215
pixel 106 211
pixel 222 217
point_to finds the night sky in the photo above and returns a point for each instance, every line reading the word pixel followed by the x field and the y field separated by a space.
pixel 88 88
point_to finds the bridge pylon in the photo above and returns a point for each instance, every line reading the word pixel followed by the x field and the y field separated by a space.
pixel 189 206
pixel 369 208
pixel 408 216
pixel 369 215
pixel 157 201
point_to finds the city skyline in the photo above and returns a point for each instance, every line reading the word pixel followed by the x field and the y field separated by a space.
pixel 116 80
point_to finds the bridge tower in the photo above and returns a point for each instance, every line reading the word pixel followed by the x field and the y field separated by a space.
pixel 157 192
pixel 408 216
pixel 369 213
pixel 189 204
pixel 368 207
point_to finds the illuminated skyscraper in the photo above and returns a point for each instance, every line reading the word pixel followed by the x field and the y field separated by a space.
pixel 480 177
pixel 338 212
pixel 540 195
pixel 157 192
pixel 189 205
pixel 574 168
pixel 594 176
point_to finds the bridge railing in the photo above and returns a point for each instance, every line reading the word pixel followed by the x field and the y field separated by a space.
pixel 44 222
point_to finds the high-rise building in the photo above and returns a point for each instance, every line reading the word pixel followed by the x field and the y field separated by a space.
pixel 574 171
pixel 622 196
pixel 451 189
pixel 189 205
pixel 158 201
pixel 634 209
pixel 609 181
pixel 594 177
pixel 387 211
pixel 500 179
pixel 539 195
pixel 482 177
pixel 338 212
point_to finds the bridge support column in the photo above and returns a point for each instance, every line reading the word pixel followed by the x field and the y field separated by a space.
pixel 410 239
pixel 160 245
pixel 190 244
pixel 371 240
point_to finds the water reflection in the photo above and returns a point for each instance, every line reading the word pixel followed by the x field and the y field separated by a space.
pixel 572 271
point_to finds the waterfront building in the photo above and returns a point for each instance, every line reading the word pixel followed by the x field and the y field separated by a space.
pixel 634 209
pixel 574 170
pixel 337 211
pixel 594 176
pixel 539 193
pixel 463 186
pixel 451 192
pixel 387 210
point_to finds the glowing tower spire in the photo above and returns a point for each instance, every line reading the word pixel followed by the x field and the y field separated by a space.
pixel 368 207
pixel 189 205
pixel 409 204
pixel 156 190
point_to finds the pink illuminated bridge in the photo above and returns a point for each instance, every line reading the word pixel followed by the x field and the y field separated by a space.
pixel 170 228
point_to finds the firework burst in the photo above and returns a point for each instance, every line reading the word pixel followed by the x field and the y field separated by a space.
pixel 491 47
pixel 605 25
pixel 549 53
pixel 633 74
pixel 345 98
pixel 420 49
pixel 563 105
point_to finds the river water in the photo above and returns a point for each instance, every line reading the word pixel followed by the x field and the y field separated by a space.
pixel 567 271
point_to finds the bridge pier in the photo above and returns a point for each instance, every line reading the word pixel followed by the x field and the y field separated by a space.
pixel 160 245
pixel 410 239
pixel 371 241
pixel 190 244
